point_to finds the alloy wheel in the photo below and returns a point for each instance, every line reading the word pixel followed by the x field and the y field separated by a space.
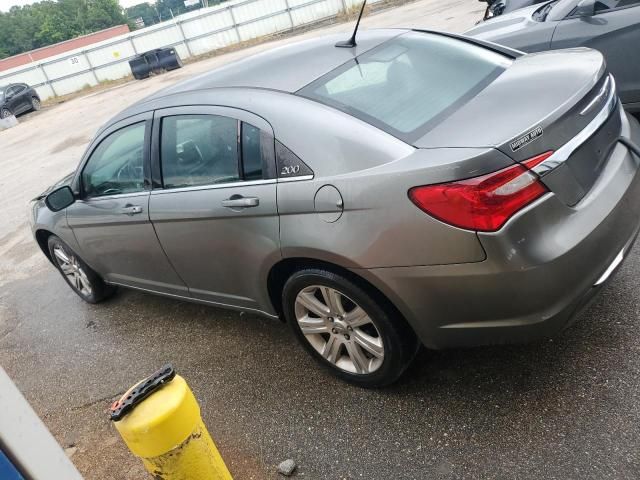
pixel 74 272
pixel 339 329
pixel 35 103
pixel 4 113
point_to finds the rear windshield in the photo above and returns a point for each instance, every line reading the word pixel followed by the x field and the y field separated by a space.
pixel 408 84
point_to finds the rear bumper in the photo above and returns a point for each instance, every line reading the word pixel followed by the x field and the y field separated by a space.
pixel 541 267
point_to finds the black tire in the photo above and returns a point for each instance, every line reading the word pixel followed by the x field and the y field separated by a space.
pixel 5 113
pixel 98 290
pixel 399 341
pixel 35 104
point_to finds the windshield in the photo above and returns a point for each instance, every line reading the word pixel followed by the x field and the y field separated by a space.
pixel 408 84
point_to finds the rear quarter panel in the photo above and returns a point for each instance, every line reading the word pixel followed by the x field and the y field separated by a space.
pixel 380 226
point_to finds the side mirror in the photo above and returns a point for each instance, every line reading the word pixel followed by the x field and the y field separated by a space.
pixel 60 199
pixel 586 8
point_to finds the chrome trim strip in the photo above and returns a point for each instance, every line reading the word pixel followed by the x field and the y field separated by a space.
pixel 217 186
pixel 295 179
pixel 563 153
pixel 195 300
pixel 116 196
pixel 604 91
pixel 607 273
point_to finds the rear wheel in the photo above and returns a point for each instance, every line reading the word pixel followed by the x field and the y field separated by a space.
pixel 35 104
pixel 346 329
pixel 5 113
pixel 80 277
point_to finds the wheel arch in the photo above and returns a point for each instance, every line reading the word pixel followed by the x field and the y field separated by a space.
pixel 42 237
pixel 281 271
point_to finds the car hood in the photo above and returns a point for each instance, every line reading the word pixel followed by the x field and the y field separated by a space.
pixel 505 25
pixel 66 180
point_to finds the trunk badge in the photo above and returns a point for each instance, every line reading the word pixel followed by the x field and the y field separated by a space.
pixel 526 139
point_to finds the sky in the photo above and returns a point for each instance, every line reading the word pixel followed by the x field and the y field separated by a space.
pixel 5 5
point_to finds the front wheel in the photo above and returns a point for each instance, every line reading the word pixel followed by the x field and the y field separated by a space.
pixel 78 275
pixel 5 113
pixel 35 104
pixel 343 326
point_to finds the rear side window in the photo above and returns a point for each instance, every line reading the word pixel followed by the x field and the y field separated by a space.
pixel 408 84
pixel 199 150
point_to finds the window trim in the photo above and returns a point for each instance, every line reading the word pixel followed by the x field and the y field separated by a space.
pixel 147 119
pixel 267 140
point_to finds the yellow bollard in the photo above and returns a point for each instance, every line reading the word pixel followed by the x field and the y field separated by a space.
pixel 159 420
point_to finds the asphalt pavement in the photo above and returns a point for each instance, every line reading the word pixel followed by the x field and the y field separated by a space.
pixel 567 408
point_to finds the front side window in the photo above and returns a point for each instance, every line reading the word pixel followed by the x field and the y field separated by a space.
pixel 199 150
pixel 604 5
pixel 116 165
pixel 407 84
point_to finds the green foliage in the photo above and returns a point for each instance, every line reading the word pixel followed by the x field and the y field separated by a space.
pixel 176 7
pixel 144 11
pixel 48 22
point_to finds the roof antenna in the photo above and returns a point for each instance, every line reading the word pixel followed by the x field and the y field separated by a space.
pixel 352 41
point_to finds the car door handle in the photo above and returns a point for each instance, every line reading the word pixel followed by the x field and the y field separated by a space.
pixel 131 210
pixel 238 201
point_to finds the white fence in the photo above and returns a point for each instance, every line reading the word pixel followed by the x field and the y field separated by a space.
pixel 190 34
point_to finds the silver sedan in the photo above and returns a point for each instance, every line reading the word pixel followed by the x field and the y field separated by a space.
pixel 416 188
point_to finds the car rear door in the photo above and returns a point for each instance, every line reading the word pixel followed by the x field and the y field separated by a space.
pixel 615 31
pixel 213 205
pixel 111 218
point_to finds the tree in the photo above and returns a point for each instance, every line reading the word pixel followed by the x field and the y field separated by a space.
pixel 48 22
pixel 167 7
pixel 144 11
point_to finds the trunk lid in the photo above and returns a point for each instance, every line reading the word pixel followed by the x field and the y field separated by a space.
pixel 541 103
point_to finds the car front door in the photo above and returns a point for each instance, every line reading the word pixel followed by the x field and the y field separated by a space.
pixel 614 30
pixel 111 218
pixel 13 100
pixel 22 96
pixel 213 205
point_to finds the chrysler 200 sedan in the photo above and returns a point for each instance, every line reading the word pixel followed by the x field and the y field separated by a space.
pixel 418 188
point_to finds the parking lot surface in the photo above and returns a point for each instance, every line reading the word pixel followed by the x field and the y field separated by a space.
pixel 561 409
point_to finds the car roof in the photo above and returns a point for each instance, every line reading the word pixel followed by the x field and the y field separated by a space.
pixel 287 68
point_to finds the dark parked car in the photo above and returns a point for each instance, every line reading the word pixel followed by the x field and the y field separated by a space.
pixel 498 7
pixel 17 98
pixel 419 187
pixel 609 26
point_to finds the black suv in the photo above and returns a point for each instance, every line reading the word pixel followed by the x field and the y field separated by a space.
pixel 17 98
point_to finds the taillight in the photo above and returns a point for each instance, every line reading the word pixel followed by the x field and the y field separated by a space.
pixel 482 203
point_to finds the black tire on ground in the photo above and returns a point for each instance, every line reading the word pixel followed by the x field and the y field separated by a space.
pixel 399 341
pixel 5 112
pixel 98 290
